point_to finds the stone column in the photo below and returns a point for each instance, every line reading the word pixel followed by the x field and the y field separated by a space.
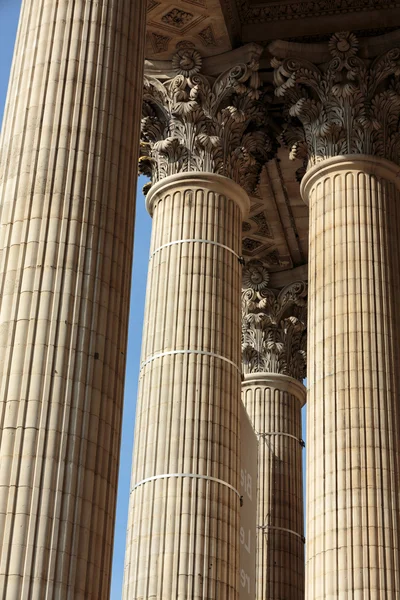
pixel 67 202
pixel 183 534
pixel 273 346
pixel 352 186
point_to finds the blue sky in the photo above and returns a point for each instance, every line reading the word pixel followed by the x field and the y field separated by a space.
pixel 9 12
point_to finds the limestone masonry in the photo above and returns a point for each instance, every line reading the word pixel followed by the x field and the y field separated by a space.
pixel 270 135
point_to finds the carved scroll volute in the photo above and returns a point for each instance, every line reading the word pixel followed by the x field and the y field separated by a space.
pixel 347 106
pixel 274 324
pixel 196 123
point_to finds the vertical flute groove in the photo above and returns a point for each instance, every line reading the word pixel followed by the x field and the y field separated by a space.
pixel 273 403
pixel 183 533
pixel 67 177
pixel 353 420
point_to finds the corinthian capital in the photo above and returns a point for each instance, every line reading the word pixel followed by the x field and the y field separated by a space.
pixel 348 105
pixel 273 325
pixel 194 122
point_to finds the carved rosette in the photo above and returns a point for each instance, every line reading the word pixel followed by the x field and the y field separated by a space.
pixel 196 123
pixel 274 324
pixel 347 106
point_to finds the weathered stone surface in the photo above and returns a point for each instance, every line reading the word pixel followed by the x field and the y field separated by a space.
pixel 67 174
pixel 273 325
pixel 196 123
pixel 183 530
pixel 273 402
pixel 353 492
pixel 348 106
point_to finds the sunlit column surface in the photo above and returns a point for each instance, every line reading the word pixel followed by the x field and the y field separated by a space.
pixel 67 183
pixel 183 531
pixel 353 518
pixel 204 142
pixel 349 110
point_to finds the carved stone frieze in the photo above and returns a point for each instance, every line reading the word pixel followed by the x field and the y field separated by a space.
pixel 273 325
pixel 347 106
pixel 252 12
pixel 197 123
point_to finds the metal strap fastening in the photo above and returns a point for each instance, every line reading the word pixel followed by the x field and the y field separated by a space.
pixel 279 433
pixel 192 475
pixel 264 527
pixel 188 241
pixel 200 352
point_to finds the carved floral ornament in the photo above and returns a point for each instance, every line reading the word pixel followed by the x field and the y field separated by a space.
pixel 273 325
pixel 294 9
pixel 347 106
pixel 197 123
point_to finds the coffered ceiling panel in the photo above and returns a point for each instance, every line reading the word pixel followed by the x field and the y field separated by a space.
pixel 172 24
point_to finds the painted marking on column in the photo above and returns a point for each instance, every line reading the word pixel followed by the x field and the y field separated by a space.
pixel 188 241
pixel 192 475
pixel 200 352
pixel 301 442
pixel 263 527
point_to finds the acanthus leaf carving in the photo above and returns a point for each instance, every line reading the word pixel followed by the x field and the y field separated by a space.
pixel 194 123
pixel 274 325
pixel 348 106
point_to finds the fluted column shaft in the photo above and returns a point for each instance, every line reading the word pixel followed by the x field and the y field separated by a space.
pixel 183 539
pixel 67 182
pixel 273 402
pixel 353 490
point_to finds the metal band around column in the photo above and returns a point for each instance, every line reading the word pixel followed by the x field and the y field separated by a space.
pixel 192 475
pixel 200 352
pixel 303 539
pixel 194 240
pixel 301 442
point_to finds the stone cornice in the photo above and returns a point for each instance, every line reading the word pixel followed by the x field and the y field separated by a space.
pixel 346 106
pixel 273 325
pixel 193 122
